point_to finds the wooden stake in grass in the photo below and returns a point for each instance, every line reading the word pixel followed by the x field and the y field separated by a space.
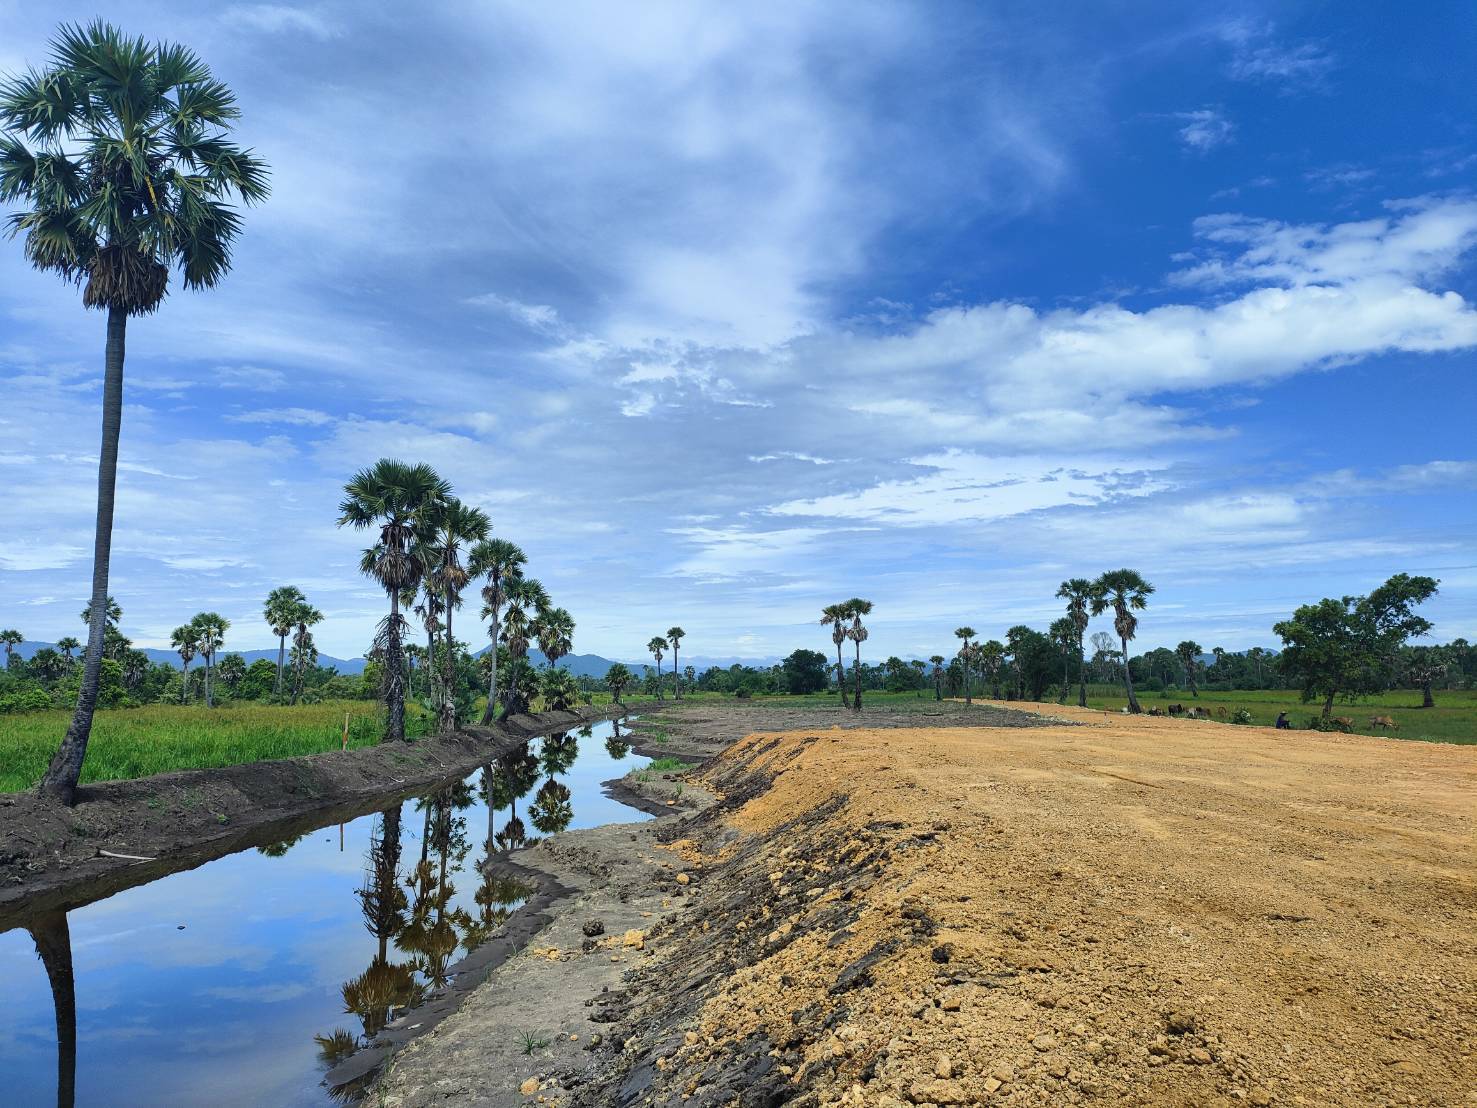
pixel 346 732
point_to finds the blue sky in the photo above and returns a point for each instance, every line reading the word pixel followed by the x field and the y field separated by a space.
pixel 725 312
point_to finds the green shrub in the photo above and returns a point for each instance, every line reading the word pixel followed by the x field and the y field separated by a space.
pixel 1241 715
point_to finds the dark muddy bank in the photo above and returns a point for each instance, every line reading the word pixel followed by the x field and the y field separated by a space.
pixel 52 858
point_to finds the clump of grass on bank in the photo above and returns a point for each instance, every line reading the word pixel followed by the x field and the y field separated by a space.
pixel 670 764
pixel 138 742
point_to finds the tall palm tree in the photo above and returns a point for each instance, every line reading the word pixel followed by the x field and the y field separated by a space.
pixel 856 607
pixel 500 561
pixel 186 639
pixel 212 627
pixel 66 644
pixel 1077 592
pixel 117 157
pixel 555 630
pixel 1126 592
pixel 966 656
pixel 675 636
pixel 834 616
pixel 454 527
pixel 657 647
pixel 1063 634
pixel 304 616
pixel 11 639
pixel 428 610
pixel 278 611
pixel 938 675
pixel 1189 653
pixel 527 599
pixel 397 498
pixel 112 613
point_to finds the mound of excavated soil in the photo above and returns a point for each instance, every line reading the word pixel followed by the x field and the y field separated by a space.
pixel 1144 911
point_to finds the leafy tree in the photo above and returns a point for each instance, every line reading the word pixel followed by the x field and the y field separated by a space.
pixel 834 617
pixel 674 637
pixel 856 607
pixel 66 644
pixel 257 682
pixel 186 640
pixel 212 628
pixel 398 499
pixel 232 671
pixel 657 647
pixel 500 561
pixel 1343 647
pixel 1034 660
pixel 990 657
pixel 1063 634
pixel 806 671
pixel 1126 592
pixel 47 665
pixel 966 658
pixel 1077 592
pixel 560 690
pixel 117 157
pixel 279 610
pixel 618 678
pixel 1188 652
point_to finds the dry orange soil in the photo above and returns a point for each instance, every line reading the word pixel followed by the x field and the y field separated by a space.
pixel 1130 910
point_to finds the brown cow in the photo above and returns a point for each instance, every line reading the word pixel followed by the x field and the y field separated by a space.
pixel 1343 723
pixel 1199 713
pixel 1221 712
pixel 1156 711
pixel 1176 709
pixel 1383 721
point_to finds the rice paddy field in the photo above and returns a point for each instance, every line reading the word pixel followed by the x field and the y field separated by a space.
pixel 137 742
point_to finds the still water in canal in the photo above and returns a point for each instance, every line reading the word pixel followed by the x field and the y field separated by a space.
pixel 242 981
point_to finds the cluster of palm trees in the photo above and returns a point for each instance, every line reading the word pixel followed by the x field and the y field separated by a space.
pixel 428 547
pixel 1123 591
pixel 202 636
pixel 845 621
pixel 287 612
pixel 657 648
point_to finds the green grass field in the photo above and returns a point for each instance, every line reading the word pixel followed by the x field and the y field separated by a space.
pixel 138 742
pixel 1453 720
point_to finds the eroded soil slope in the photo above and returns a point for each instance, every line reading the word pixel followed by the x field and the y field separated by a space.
pixel 1144 911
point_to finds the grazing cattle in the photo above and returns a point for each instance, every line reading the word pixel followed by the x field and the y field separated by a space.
pixel 1383 721
pixel 1176 709
pixel 1221 712
pixel 1343 723
pixel 1156 711
pixel 1199 713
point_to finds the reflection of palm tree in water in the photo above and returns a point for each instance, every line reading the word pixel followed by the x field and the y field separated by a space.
pixel 374 995
pixel 511 777
pixel 431 933
pixel 53 939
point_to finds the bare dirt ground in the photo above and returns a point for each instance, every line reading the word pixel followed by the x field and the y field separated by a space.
pixel 1129 910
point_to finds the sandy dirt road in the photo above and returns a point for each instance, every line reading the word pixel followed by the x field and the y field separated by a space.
pixel 1133 910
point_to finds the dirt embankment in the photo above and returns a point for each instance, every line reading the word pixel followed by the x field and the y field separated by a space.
pixel 50 856
pixel 1144 911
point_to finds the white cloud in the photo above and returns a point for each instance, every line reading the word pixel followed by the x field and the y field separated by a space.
pixel 277 19
pixel 1258 56
pixel 23 555
pixel 256 378
pixel 293 417
pixel 539 317
pixel 1205 129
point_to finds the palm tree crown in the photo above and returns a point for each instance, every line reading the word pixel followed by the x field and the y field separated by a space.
pixel 119 152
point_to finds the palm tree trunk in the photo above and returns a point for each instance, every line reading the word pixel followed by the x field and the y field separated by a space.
pixel 1081 675
pixel 1066 678
pixel 209 703
pixel 841 678
pixel 62 775
pixel 856 701
pixel 968 698
pixel 492 676
pixel 1427 700
pixel 1133 703
pixel 447 717
pixel 1328 703
pixel 184 684
pixel 281 662
pixel 394 673
pixel 53 939
pixel 676 676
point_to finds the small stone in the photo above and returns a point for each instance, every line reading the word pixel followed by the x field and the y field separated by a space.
pixel 1200 1056
pixel 1179 1023
pixel 943 953
pixel 634 937
pixel 593 927
pixel 944 1066
pixel 529 1087
pixel 1057 1068
pixel 951 1003
pixel 1044 1043
pixel 992 1083
pixel 683 879
pixel 1003 1073
pixel 690 1038
pixel 937 1092
pixel 1260 1097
